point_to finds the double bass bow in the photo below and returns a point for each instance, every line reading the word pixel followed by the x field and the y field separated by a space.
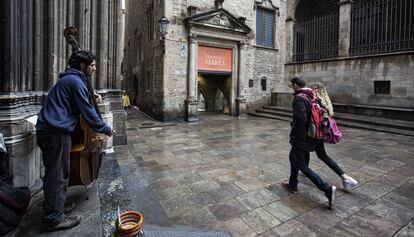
pixel 87 145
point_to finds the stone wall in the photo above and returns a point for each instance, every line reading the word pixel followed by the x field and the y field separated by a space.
pixel 351 80
pixel 144 56
pixel 167 103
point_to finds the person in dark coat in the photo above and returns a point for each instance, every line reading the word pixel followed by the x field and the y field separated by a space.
pixel 57 119
pixel 302 144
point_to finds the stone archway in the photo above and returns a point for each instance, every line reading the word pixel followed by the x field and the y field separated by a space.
pixel 212 85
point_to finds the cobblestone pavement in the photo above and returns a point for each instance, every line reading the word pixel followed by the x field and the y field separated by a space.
pixel 223 173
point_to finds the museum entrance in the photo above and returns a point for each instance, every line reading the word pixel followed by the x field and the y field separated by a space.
pixel 214 80
pixel 214 92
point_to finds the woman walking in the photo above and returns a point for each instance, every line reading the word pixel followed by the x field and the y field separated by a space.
pixel 324 100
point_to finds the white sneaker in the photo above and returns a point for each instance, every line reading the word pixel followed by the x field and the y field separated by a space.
pixel 349 183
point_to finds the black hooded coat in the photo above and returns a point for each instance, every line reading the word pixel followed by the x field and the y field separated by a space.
pixel 301 111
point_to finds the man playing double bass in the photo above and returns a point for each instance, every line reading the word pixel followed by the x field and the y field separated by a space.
pixel 57 119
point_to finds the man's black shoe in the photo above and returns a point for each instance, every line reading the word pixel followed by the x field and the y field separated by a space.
pixel 330 194
pixel 67 223
pixel 286 185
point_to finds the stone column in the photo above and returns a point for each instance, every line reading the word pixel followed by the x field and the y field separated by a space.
pixel 191 102
pixel 51 47
pixel 5 46
pixel 290 43
pixel 102 45
pixel 38 49
pixel 240 98
pixel 344 27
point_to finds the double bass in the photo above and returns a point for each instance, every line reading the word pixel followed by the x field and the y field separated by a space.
pixel 87 145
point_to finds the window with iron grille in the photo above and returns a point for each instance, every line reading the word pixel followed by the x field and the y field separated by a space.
pixel 265 26
pixel 316 30
pixel 316 38
pixel 382 87
pixel 381 26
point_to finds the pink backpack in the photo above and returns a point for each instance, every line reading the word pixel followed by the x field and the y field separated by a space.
pixel 333 135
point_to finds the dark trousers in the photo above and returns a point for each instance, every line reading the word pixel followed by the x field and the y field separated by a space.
pixel 297 159
pixel 56 157
pixel 321 153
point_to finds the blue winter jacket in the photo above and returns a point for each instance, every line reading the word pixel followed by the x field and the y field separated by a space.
pixel 66 101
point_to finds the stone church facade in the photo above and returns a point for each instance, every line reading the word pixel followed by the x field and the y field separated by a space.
pixel 33 52
pixel 362 50
pixel 217 54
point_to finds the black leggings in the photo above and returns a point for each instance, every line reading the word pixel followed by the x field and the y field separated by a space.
pixel 321 153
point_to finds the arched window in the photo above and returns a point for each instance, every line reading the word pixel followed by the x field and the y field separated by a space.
pixel 316 30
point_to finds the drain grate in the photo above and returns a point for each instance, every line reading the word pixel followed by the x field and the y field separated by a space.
pixel 156 231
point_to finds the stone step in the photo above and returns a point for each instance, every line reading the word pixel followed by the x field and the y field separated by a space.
pixel 378 121
pixel 270 116
pixel 275 112
pixel 350 120
pixel 376 128
pixel 406 114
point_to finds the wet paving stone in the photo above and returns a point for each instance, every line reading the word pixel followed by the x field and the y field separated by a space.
pixel 299 203
pixel 257 198
pixel 223 173
pixel 293 228
pixel 407 231
pixel 201 218
pixel 392 212
pixel 260 220
pixel 174 192
pixel 320 219
pixel 352 202
pixel 406 190
pixel 203 186
pixel 237 227
pixel 280 211
pixel 251 184
pixel 374 189
pixel 227 210
pixel 269 233
pixel 366 223
pixel 400 200
pixel 393 179
pixel 387 164
pixel 200 199
pixel 225 192
pixel 177 207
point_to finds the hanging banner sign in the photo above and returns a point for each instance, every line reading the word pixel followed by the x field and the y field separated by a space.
pixel 214 59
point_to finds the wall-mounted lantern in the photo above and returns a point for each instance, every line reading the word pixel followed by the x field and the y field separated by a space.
pixel 163 27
